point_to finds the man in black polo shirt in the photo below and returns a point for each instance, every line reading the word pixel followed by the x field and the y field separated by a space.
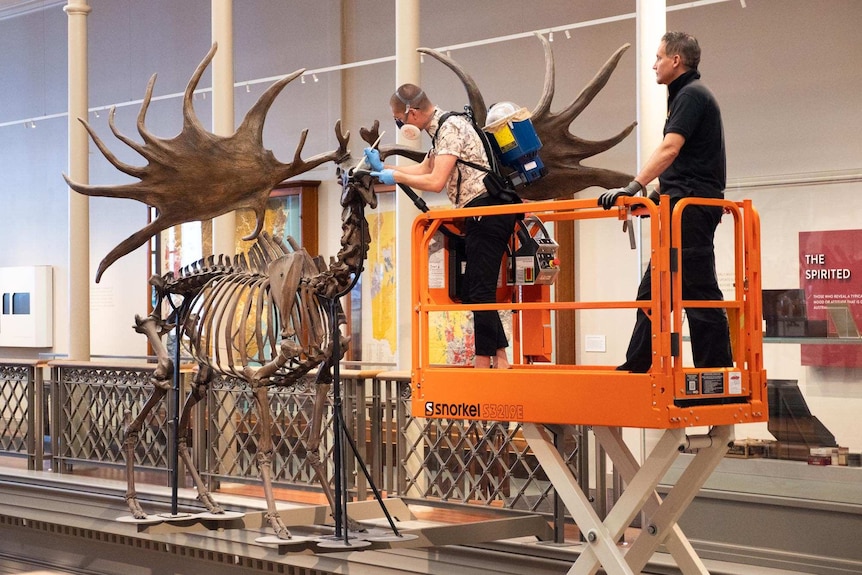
pixel 690 161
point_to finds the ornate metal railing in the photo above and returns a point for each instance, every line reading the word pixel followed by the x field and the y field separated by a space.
pixel 455 461
pixel 21 414
pixel 233 429
pixel 484 463
pixel 93 405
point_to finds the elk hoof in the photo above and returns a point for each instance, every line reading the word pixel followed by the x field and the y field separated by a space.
pixel 210 503
pixel 355 526
pixel 135 508
pixel 281 530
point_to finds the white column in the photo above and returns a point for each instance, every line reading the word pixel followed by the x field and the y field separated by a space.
pixel 224 226
pixel 406 71
pixel 79 171
pixel 652 111
pixel 651 97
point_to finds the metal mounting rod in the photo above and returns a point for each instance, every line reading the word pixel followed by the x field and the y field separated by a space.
pixel 696 442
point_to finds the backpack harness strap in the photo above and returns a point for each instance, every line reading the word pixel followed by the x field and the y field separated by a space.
pixel 488 154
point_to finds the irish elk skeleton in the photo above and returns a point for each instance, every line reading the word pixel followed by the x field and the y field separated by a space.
pixel 267 316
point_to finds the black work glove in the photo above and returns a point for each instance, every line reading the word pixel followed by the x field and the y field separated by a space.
pixel 653 196
pixel 609 198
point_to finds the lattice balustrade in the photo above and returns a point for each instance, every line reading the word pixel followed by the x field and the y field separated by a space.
pixel 234 430
pixel 94 407
pixel 233 423
pixel 16 401
pixel 485 463
pixel 482 463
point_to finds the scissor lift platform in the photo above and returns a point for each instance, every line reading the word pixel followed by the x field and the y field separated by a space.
pixel 670 396
pixel 555 394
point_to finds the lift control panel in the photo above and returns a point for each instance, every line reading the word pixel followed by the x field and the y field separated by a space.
pixel 535 260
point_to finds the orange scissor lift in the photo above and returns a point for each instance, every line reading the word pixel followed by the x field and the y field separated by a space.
pixel 670 397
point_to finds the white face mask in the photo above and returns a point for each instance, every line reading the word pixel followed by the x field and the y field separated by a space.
pixel 410 132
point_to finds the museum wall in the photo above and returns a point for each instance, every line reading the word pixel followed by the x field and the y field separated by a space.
pixel 786 73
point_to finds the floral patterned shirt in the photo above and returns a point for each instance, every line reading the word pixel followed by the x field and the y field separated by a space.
pixel 457 137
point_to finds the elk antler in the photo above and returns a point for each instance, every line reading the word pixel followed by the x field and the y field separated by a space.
pixel 198 175
pixel 562 151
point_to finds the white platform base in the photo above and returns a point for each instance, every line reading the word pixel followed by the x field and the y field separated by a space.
pixel 157 518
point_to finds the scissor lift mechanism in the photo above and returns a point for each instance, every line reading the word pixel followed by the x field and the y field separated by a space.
pixel 670 396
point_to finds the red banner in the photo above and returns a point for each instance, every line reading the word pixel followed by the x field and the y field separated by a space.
pixel 830 273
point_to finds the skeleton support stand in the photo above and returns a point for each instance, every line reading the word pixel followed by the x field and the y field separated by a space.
pixel 340 510
pixel 175 419
pixel 342 434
